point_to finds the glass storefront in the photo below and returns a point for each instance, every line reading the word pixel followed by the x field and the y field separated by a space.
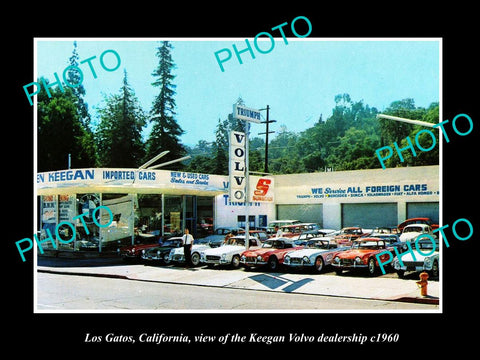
pixel 137 218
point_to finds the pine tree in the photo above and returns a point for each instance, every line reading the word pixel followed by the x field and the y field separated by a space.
pixel 88 153
pixel 119 137
pixel 73 78
pixel 165 131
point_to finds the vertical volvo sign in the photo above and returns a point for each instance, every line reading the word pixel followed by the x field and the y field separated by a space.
pixel 237 166
pixel 239 161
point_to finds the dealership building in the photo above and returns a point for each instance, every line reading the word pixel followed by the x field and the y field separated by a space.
pixel 156 203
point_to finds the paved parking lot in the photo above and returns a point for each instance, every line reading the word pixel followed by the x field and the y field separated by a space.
pixel 354 285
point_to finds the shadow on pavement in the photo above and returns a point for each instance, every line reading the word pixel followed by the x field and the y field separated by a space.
pixel 72 262
pixel 274 282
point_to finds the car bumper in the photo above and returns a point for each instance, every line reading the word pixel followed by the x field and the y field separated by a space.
pixel 129 255
pixel 253 262
pixel 151 258
pixel 216 261
pixel 177 258
pixel 352 266
pixel 298 265
pixel 413 267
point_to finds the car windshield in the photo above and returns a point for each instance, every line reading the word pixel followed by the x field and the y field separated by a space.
pixel 273 244
pixel 412 229
pixel 235 241
pixel 318 244
pixel 368 245
pixel 289 229
pixel 174 243
pixel 388 238
pixel 351 231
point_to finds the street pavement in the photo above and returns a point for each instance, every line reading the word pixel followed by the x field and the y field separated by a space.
pixel 383 287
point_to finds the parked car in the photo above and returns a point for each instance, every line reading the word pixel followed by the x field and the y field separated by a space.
pixel 348 234
pixel 177 255
pixel 417 220
pixel 362 255
pixel 216 239
pixel 161 252
pixel 317 254
pixel 279 223
pixel 389 238
pixel 134 252
pixel 269 254
pixel 228 253
pixel 294 231
pixel 426 260
pixel 305 236
pixel 411 232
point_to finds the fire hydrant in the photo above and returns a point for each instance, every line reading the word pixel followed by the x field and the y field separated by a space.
pixel 422 284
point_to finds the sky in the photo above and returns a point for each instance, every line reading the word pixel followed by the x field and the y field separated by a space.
pixel 298 80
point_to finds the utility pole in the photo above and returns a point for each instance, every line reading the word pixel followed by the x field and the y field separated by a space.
pixel 268 121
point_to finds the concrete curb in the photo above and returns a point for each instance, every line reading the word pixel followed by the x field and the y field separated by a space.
pixel 235 284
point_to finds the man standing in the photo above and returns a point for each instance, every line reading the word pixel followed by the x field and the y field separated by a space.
pixel 187 247
pixel 278 232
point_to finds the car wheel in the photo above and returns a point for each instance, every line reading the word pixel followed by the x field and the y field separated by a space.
pixel 236 261
pixel 166 258
pixel 195 259
pixel 434 271
pixel 339 271
pixel 272 263
pixel 319 264
pixel 371 267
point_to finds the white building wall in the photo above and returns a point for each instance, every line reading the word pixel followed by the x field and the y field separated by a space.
pixel 332 189
pixel 226 212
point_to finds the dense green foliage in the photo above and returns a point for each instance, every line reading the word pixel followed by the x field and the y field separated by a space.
pixel 347 140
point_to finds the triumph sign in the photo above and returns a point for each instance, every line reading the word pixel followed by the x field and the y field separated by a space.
pixel 244 113
pixel 237 165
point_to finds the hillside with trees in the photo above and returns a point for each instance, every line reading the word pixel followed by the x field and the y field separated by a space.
pixel 345 140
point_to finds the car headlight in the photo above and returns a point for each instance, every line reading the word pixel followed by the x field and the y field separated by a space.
pixel 243 258
pixel 286 259
pixel 158 252
pixel 336 259
pixel 358 260
pixel 259 258
pixel 223 256
pixel 306 260
pixel 143 252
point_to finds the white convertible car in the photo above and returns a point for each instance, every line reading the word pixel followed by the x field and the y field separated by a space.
pixel 229 252
pixel 425 258
pixel 177 254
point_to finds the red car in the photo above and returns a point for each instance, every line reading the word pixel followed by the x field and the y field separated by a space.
pixel 362 256
pixel 271 253
pixel 134 252
pixel 417 220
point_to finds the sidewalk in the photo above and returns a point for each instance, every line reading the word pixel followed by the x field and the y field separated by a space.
pixel 329 284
